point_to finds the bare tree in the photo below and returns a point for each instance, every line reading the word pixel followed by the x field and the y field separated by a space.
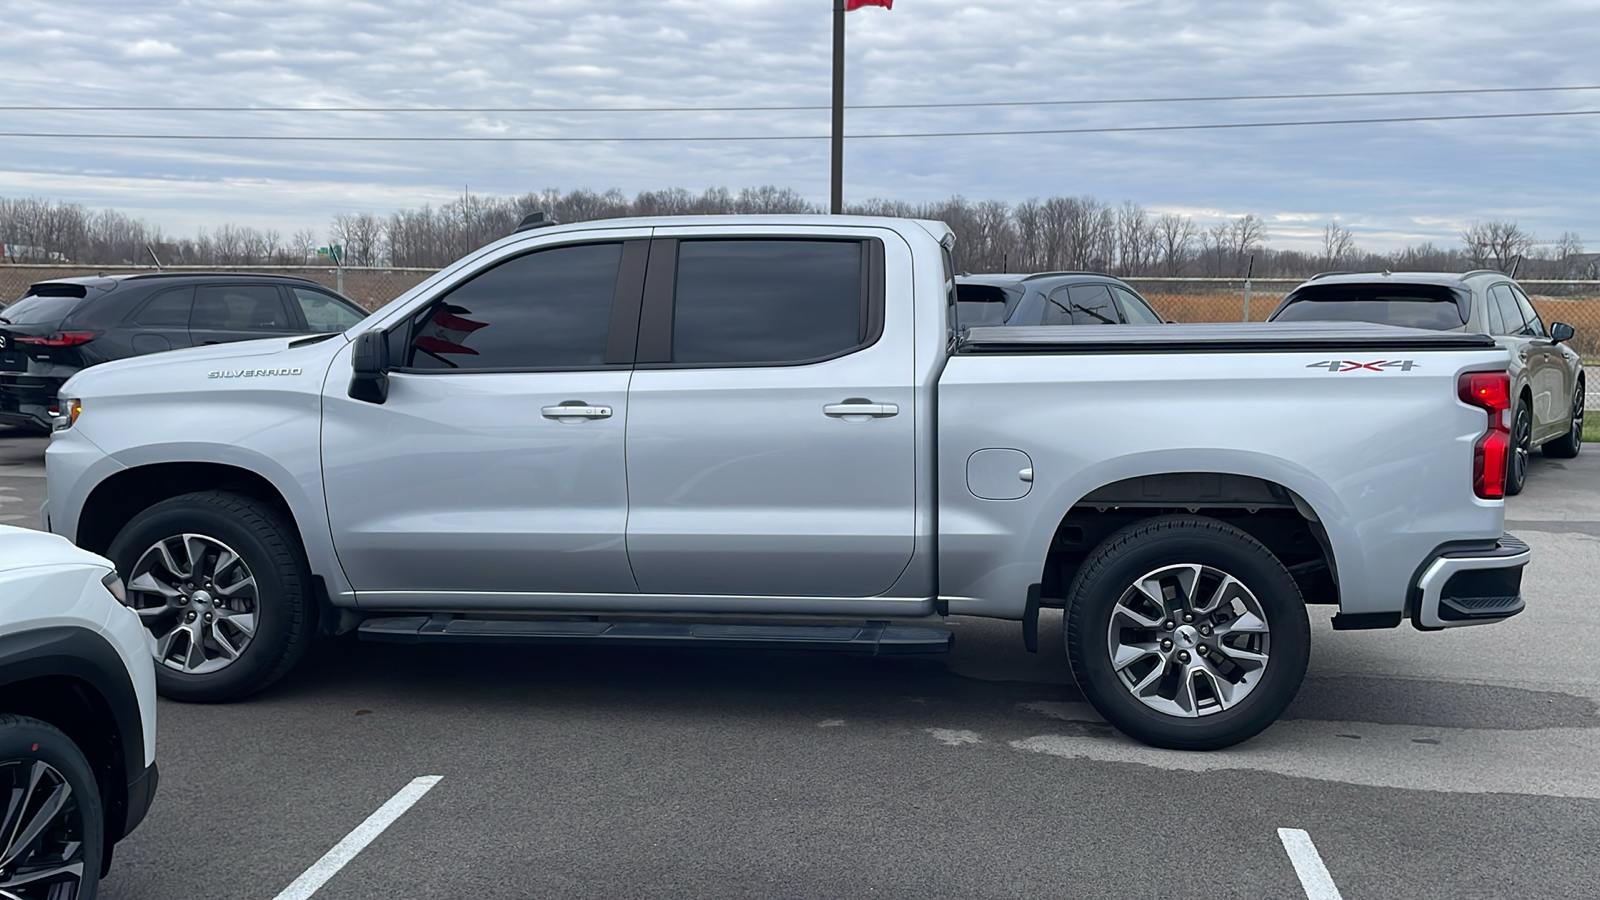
pixel 1338 244
pixel 1495 244
pixel 1175 236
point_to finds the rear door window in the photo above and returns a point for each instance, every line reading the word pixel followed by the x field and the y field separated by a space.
pixel 240 307
pixel 769 302
pixel 1429 306
pixel 1082 304
pixel 1511 318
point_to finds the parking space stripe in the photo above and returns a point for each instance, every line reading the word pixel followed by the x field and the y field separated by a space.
pixel 1308 865
pixel 331 862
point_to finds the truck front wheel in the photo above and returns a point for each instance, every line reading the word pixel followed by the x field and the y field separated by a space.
pixel 220 582
pixel 1187 633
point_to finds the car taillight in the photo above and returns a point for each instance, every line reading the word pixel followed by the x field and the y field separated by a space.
pixel 64 339
pixel 1491 392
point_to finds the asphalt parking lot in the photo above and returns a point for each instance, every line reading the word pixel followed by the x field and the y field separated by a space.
pixel 1459 764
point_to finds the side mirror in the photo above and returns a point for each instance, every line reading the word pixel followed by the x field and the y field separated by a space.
pixel 1560 331
pixel 369 365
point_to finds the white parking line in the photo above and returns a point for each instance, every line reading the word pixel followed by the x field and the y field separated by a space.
pixel 356 841
pixel 1308 865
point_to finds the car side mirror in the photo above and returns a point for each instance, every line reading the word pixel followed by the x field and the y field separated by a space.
pixel 1560 331
pixel 369 365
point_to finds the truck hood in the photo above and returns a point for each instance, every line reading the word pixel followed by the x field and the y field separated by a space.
pixel 220 364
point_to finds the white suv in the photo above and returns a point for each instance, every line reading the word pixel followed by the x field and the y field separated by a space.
pixel 77 717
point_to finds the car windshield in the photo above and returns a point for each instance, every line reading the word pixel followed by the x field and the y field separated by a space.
pixel 35 309
pixel 1433 307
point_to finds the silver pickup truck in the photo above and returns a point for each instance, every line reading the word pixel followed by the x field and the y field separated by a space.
pixel 767 432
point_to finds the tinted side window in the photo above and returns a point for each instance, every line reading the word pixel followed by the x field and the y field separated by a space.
pixel 1510 313
pixel 1082 304
pixel 1497 322
pixel 242 307
pixel 980 304
pixel 168 309
pixel 1134 309
pixel 1535 326
pixel 549 308
pixel 768 301
pixel 323 312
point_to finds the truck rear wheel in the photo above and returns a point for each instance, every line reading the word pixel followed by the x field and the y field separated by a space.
pixel 220 581
pixel 1187 633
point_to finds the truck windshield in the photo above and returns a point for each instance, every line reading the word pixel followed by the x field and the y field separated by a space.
pixel 1429 306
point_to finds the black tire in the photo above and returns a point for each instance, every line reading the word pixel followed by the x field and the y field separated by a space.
pixel 24 744
pixel 1521 448
pixel 284 608
pixel 1144 548
pixel 1568 445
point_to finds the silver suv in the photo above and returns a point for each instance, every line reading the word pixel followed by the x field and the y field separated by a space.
pixel 1546 374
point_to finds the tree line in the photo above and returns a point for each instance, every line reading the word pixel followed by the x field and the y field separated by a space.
pixel 1071 233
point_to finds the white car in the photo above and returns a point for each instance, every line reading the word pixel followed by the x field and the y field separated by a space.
pixel 77 717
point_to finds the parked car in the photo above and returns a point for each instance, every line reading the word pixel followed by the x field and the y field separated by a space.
pixel 1050 298
pixel 693 430
pixel 1547 382
pixel 62 326
pixel 77 717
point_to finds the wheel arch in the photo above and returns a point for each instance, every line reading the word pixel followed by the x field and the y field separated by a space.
pixel 1287 509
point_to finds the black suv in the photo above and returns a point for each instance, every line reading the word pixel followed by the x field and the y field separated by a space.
pixel 67 324
pixel 1050 298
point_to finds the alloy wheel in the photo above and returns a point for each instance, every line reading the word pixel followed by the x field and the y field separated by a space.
pixel 41 835
pixel 1522 445
pixel 1188 640
pixel 198 598
pixel 1577 415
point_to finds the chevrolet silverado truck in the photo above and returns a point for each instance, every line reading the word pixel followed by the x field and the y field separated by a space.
pixel 771 432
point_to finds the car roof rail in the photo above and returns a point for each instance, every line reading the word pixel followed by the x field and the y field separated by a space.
pixel 1326 274
pixel 1466 275
pixel 1053 274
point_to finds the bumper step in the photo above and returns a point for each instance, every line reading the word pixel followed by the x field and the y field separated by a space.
pixel 876 638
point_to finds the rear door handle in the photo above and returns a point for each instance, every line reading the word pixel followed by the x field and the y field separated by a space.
pixel 858 407
pixel 576 411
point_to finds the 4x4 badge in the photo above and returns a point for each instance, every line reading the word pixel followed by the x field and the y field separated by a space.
pixel 1350 365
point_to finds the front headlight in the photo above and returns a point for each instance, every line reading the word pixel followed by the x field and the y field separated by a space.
pixel 115 586
pixel 67 412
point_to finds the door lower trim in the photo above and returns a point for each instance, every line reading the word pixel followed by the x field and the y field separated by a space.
pixel 469 601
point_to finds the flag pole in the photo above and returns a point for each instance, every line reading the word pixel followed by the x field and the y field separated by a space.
pixel 837 205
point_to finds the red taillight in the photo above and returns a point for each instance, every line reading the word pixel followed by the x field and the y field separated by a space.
pixel 1491 392
pixel 64 339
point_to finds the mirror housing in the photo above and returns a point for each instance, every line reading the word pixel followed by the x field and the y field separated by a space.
pixel 369 365
pixel 1560 331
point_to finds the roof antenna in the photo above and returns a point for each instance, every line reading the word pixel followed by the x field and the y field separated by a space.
pixel 1514 264
pixel 153 256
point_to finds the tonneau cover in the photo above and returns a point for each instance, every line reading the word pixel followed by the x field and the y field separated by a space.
pixel 1225 337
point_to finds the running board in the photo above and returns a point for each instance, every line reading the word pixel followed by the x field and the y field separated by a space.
pixel 871 637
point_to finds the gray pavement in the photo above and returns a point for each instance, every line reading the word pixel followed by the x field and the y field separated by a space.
pixel 1458 764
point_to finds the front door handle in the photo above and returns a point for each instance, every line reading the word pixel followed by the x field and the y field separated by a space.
pixel 573 410
pixel 855 406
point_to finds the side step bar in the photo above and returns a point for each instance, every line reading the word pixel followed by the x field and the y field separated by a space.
pixel 876 638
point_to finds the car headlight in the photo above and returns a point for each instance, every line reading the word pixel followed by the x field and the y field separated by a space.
pixel 67 412
pixel 114 584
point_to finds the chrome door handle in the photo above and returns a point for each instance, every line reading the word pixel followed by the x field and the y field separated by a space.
pixel 576 411
pixel 855 407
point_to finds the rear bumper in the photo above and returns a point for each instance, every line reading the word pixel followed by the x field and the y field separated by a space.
pixel 27 399
pixel 1470 586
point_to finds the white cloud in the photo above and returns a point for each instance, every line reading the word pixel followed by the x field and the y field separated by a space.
pixel 150 48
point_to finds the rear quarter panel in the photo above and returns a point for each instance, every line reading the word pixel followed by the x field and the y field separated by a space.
pixel 1384 459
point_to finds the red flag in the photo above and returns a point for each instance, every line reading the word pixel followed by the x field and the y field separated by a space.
pixel 857 4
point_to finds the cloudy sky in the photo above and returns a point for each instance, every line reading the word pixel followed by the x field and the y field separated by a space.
pixel 1391 183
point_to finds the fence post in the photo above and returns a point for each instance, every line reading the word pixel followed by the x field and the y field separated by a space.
pixel 1249 270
